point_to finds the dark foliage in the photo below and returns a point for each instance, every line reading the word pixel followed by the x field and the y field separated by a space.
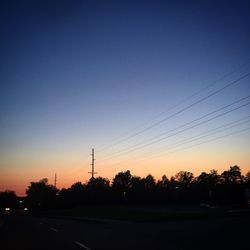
pixel 8 199
pixel 41 195
pixel 208 188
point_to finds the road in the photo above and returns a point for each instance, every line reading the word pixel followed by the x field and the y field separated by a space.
pixel 27 232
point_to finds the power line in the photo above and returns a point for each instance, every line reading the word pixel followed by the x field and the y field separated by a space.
pixel 181 126
pixel 198 144
pixel 181 102
pixel 214 139
pixel 181 110
pixel 196 125
pixel 183 130
pixel 204 142
pixel 209 133
pixel 155 140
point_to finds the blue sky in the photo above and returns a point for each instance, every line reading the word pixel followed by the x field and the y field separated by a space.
pixel 81 74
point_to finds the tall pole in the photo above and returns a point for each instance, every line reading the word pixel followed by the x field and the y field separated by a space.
pixel 93 164
pixel 55 180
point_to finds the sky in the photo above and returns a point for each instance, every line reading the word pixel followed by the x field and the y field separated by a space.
pixel 154 86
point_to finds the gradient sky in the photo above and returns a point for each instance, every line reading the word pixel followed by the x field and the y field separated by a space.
pixel 81 74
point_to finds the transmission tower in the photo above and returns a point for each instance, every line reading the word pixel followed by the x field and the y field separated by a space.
pixel 93 164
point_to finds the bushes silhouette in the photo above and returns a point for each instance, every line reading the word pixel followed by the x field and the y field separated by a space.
pixel 210 188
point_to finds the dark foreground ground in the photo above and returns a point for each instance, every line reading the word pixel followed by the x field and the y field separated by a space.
pixel 29 232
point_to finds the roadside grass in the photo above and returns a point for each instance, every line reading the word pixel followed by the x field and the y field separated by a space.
pixel 138 213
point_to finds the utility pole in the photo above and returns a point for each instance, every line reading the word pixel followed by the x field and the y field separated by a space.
pixel 55 180
pixel 93 165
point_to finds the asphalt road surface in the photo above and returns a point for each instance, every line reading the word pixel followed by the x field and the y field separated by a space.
pixel 27 232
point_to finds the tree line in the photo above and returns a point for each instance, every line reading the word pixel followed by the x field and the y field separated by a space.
pixel 183 188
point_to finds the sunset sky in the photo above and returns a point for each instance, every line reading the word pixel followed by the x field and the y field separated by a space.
pixel 154 86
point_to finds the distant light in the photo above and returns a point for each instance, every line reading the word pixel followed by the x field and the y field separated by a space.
pixel 25 209
pixel 7 209
pixel 20 201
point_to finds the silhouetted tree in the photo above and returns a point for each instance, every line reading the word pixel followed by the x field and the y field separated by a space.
pixel 8 198
pixel 183 182
pixel 248 176
pixel 99 183
pixel 164 182
pixel 227 188
pixel 184 179
pixel 122 184
pixel 137 189
pixel 205 186
pixel 149 182
pixel 77 187
pixel 247 180
pixel 232 175
pixel 98 190
pixel 136 183
pixel 209 179
pixel 41 195
pixel 122 181
pixel 231 189
pixel 162 189
pixel 75 195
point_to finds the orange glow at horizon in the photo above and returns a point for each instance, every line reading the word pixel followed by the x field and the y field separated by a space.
pixel 70 171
